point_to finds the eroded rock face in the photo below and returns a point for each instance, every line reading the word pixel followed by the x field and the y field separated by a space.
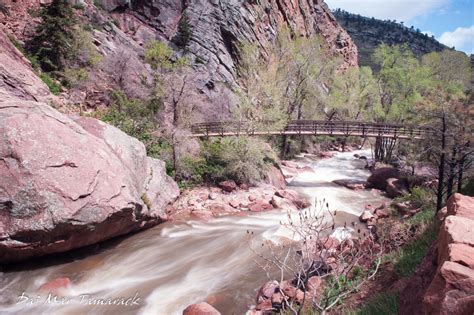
pixel 220 26
pixel 68 183
pixel 17 79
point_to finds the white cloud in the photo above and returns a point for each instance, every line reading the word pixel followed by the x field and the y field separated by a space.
pixel 462 38
pixel 400 10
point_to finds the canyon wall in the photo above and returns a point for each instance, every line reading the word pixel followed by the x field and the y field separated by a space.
pixel 122 27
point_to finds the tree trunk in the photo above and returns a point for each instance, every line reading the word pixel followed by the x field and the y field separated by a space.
pixel 452 172
pixel 384 149
pixel 460 175
pixel 284 147
pixel 439 197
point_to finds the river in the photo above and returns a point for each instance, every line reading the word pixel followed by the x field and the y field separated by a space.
pixel 176 264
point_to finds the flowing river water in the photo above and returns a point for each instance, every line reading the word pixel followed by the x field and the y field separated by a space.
pixel 176 264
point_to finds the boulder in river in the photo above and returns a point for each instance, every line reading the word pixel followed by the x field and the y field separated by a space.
pixel 366 216
pixel 260 205
pixel 55 285
pixel 267 290
pixel 202 308
pixel 396 188
pixel 71 182
pixel 379 177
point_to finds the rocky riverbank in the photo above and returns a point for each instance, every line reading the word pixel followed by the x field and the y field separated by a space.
pixel 227 197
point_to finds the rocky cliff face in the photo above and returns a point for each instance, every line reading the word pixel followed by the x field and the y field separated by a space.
pixel 67 182
pixel 220 25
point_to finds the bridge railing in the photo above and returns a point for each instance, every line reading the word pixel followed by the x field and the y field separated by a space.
pixel 316 127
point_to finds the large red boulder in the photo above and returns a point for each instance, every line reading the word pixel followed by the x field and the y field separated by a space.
pixel 461 205
pixel 379 177
pixel 202 308
pixel 71 182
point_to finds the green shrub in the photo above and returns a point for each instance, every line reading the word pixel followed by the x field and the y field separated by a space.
pixel 420 196
pixel 244 158
pixel 199 170
pixel 52 84
pixel 75 76
pixel 239 158
pixel 382 304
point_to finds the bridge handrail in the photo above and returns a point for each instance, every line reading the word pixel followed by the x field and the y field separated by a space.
pixel 309 125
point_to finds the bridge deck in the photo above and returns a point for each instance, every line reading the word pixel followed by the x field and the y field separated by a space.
pixel 314 127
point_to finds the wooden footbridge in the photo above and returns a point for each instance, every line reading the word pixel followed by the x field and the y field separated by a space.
pixel 314 127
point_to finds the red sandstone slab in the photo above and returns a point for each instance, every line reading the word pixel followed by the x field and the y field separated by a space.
pixel 462 206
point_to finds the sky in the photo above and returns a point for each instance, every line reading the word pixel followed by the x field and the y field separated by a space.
pixel 450 21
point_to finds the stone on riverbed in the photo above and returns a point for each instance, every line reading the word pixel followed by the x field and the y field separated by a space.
pixel 351 183
pixel 260 205
pixel 55 285
pixel 366 216
pixel 228 185
pixel 267 290
pixel 202 308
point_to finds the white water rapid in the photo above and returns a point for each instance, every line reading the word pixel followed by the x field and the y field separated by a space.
pixel 177 263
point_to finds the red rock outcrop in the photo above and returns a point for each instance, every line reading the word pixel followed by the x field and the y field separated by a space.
pixel 68 183
pixel 461 205
pixel 452 289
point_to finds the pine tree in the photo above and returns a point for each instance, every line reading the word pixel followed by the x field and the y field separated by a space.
pixel 185 32
pixel 54 36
